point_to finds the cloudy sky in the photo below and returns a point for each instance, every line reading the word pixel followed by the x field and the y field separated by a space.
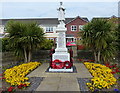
pixel 46 9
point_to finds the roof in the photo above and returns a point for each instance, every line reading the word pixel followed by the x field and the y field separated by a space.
pixel 84 19
pixel 113 16
pixel 40 20
pixel 113 19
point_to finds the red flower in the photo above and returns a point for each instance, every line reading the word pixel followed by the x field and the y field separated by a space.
pixel 10 89
pixel 20 86
pixel 25 85
pixel 110 66
pixel 114 65
pixel 107 65
pixel 52 50
pixel 113 72
pixel 117 70
pixel 3 78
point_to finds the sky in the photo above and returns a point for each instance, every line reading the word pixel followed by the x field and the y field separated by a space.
pixel 48 9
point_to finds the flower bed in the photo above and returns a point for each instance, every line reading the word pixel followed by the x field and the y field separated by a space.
pixel 102 76
pixel 16 76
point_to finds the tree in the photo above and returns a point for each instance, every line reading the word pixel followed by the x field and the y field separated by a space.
pixel 5 42
pixel 24 38
pixel 99 36
pixel 47 44
pixel 118 36
pixel 0 45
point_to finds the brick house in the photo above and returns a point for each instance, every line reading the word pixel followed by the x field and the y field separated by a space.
pixel 73 27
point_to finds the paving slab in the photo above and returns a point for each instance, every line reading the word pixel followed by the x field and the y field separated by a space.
pixel 68 84
pixel 40 71
pixel 58 84
pixel 49 84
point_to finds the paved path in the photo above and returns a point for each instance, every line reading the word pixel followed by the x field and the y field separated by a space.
pixel 60 81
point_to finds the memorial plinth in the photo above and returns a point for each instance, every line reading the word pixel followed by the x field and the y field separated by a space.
pixel 61 51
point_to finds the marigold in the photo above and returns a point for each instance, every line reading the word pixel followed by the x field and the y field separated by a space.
pixel 17 74
pixel 102 76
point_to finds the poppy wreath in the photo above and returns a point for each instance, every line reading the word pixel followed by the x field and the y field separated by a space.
pixel 67 64
pixel 54 66
pixel 61 64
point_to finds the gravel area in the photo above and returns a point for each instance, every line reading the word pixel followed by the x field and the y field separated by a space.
pixel 35 82
pixel 82 84
pixel 83 87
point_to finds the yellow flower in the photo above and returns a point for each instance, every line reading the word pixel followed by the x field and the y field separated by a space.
pixel 102 77
pixel 16 75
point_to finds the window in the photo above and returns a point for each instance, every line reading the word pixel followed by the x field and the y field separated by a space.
pixel 73 28
pixel 49 29
pixel 81 27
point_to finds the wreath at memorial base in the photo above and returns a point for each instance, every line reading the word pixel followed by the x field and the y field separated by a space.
pixel 67 64
pixel 58 64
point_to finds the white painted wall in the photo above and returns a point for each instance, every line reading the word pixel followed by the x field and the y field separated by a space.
pixel 54 34
pixel 1 29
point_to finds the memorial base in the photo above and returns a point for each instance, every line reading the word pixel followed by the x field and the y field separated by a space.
pixel 61 70
pixel 63 56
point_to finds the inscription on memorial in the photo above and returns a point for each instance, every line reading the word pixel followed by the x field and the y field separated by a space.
pixel 60 40
pixel 61 57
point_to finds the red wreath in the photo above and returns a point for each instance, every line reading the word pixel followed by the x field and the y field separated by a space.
pixel 57 66
pixel 57 60
pixel 61 64
pixel 69 64
pixel 54 66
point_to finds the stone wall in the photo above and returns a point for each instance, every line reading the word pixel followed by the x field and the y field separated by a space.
pixel 9 58
pixel 43 56
pixel 82 54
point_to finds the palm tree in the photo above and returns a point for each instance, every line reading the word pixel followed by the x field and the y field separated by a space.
pixel 99 37
pixel 24 38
